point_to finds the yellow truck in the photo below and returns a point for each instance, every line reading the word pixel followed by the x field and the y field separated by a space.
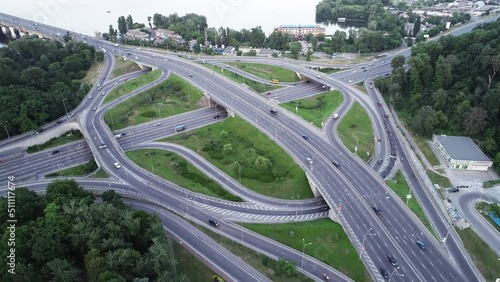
pixel 217 278
pixel 275 81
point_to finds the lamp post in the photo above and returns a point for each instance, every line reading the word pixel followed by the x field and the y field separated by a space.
pixel 5 127
pixel 198 147
pixel 64 104
pixel 363 243
pixel 303 250
pixel 239 169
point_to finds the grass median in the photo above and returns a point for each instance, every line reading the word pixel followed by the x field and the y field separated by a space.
pixel 399 185
pixel 317 108
pixel 123 66
pixel 329 243
pixel 68 137
pixel 426 149
pixel 171 97
pixel 242 151
pixel 131 85
pixel 79 170
pixel 254 85
pixel 259 261
pixel 173 168
pixel 483 256
pixel 267 72
pixel 356 132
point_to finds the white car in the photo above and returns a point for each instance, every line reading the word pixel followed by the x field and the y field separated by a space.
pixel 309 160
pixel 90 97
pixel 103 93
pixel 116 83
pixel 117 165
pixel 157 124
pixel 102 146
pixel 335 115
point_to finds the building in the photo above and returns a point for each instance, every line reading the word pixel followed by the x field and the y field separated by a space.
pixel 136 34
pixel 460 152
pixel 300 31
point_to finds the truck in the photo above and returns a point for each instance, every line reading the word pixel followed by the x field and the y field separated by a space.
pixel 275 81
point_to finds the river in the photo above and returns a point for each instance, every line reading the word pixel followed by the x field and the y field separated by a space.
pixel 88 16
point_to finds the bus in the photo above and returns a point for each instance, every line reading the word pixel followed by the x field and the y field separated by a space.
pixel 275 81
pixel 381 55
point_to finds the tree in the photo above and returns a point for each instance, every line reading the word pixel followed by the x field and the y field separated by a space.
pixel 257 37
pixel 295 49
pixel 262 163
pixel 67 36
pixel 397 62
pixel 227 149
pixel 149 22
pixel 416 26
pixel 122 25
pixel 130 22
pixel 476 121
pixel 425 121
pixel 62 270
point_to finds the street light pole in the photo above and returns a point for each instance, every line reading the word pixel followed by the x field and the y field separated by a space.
pixel 64 104
pixel 4 126
pixel 363 243
pixel 198 145
pixel 303 250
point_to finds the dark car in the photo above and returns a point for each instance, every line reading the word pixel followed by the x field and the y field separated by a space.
pixel 59 121
pixel 421 244
pixel 39 130
pixel 379 103
pixel 336 164
pixel 213 222
pixel 54 152
pixel 268 93
pixel 217 116
pixel 305 137
pixel 376 210
pixel 384 273
pixel 273 111
pixel 453 190
pixel 379 161
pixel 386 115
pixel 392 260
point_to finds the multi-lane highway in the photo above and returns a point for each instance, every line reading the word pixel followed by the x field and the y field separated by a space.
pixel 396 229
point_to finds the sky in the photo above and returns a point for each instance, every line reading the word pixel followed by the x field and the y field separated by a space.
pixel 88 16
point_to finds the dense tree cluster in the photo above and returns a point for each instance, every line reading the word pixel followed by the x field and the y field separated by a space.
pixel 67 236
pixel 453 87
pixel 189 26
pixel 36 76
pixel 383 31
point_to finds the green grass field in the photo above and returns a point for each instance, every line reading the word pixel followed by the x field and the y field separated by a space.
pixel 491 183
pixel 484 208
pixel 67 137
pixel 100 174
pixel 123 67
pixel 189 265
pixel 424 147
pixel 444 182
pixel 283 178
pixel 255 86
pixel 356 128
pixel 167 164
pixel 483 256
pixel 171 97
pixel 79 170
pixel 267 71
pixel 317 108
pixel 329 243
pixel 259 261
pixel 126 87
pixel 399 185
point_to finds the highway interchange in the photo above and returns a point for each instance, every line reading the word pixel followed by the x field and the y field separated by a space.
pixel 396 230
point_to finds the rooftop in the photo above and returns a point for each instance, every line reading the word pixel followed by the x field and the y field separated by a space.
pixel 299 26
pixel 462 148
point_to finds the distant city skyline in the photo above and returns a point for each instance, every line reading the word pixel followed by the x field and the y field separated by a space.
pixel 88 16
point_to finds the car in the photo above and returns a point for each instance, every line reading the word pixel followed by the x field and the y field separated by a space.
pixel 157 124
pixel 364 70
pixel 421 244
pixel 103 146
pixel 336 116
pixel 117 165
pixel 71 115
pixel 59 121
pixel 90 97
pixel 384 273
pixel 217 116
pixel 319 77
pixel 148 49
pixel 371 82
pixel 392 260
pixel 379 139
pixel 386 74
pixel 116 83
pixel 103 93
pixel 125 79
pixel 453 190
pixel 54 152
pixel 213 222
pixel 305 137
pixel 376 210
pixel 39 130
pixel 273 111
pixel 95 109
pixel 336 164
pixel 123 134
pixel 308 81
pixel 379 161
pixel 99 89
pixel 98 85
pixel 309 160
pixel 350 80
pixel 379 103
pixel 190 75
pixel 386 115
pixel 268 93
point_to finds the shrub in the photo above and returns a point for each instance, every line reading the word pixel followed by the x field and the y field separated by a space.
pixel 149 114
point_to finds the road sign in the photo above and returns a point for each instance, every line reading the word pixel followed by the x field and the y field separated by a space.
pixel 408 196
